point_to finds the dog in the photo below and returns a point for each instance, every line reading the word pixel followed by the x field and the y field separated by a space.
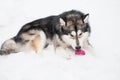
pixel 69 30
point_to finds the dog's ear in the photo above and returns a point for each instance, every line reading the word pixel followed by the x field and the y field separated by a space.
pixel 85 18
pixel 62 22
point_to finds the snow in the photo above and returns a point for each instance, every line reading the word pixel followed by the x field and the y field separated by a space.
pixel 104 20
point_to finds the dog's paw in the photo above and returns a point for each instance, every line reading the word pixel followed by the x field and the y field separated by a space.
pixel 62 52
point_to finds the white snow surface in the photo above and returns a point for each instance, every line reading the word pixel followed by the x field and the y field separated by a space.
pixel 104 20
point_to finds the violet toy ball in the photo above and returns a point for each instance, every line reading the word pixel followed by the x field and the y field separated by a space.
pixel 79 52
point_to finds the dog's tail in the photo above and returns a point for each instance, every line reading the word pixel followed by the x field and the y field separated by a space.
pixel 3 52
pixel 9 46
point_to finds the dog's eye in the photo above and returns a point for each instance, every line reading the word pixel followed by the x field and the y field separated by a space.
pixel 80 34
pixel 31 34
pixel 71 35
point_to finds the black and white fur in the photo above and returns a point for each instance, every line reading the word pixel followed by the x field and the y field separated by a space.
pixel 68 30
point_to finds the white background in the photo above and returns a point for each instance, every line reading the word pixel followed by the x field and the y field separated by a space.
pixel 104 20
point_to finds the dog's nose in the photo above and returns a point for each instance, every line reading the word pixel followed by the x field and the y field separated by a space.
pixel 77 47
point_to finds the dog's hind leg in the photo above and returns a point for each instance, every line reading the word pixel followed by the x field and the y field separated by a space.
pixel 39 42
pixel 34 44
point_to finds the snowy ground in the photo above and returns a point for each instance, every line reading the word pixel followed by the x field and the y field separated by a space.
pixel 104 20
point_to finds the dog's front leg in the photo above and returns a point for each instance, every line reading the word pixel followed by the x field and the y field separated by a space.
pixel 84 42
pixel 86 45
pixel 89 48
pixel 60 48
pixel 62 52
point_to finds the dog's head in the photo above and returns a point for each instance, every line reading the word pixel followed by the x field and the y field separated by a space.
pixel 75 28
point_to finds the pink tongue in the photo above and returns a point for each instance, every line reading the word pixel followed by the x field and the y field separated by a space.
pixel 79 52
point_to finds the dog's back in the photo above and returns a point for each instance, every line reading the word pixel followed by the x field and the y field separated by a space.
pixel 28 33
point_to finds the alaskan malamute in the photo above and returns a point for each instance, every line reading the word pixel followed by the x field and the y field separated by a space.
pixel 68 30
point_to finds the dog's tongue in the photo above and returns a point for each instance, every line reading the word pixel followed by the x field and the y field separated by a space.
pixel 79 52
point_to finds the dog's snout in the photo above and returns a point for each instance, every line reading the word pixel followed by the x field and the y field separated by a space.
pixel 77 47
